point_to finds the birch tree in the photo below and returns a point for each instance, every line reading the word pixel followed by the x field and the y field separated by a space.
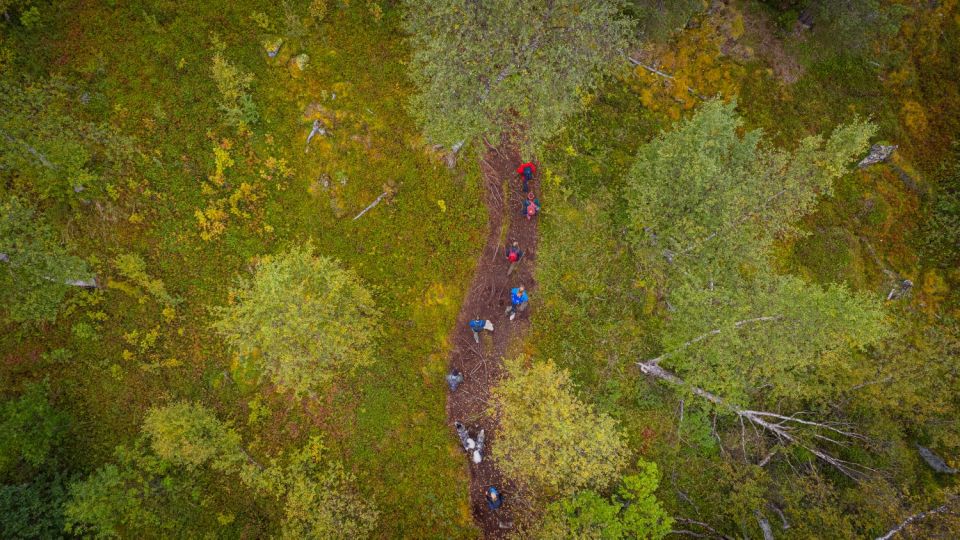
pixel 797 341
pixel 302 320
pixel 706 205
pixel 632 512
pixel 705 201
pixel 549 439
pixel 482 66
pixel 154 486
pixel 36 271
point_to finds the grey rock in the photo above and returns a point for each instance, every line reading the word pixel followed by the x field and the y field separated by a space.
pixel 878 154
pixel 934 461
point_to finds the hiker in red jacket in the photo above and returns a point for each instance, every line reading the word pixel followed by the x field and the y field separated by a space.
pixel 526 171
pixel 514 254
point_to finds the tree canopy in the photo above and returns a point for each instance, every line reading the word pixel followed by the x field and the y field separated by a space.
pixel 706 206
pixel 705 200
pixel 302 320
pixel 35 268
pixel 51 150
pixel 30 428
pixel 482 67
pixel 632 512
pixel 149 486
pixel 549 439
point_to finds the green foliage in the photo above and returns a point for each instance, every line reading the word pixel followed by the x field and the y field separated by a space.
pixel 794 339
pixel 632 512
pixel 916 373
pixel 190 434
pixel 549 439
pixel 704 200
pixel 9 7
pixel 940 232
pixel 33 509
pixel 658 20
pixel 477 64
pixel 142 495
pixel 51 151
pixel 320 499
pixel 30 429
pixel 860 27
pixel 317 494
pixel 34 267
pixel 30 18
pixel 235 101
pixel 303 320
pixel 592 313
pixel 133 267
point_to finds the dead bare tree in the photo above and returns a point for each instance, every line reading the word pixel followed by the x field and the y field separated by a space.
pixel 783 427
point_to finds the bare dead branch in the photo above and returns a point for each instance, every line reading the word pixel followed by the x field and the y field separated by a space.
pixel 371 205
pixel 704 336
pixel 713 533
pixel 764 525
pixel 917 517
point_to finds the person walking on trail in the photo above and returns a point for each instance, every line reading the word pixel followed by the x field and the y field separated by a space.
pixel 531 206
pixel 454 379
pixel 518 301
pixel 494 499
pixel 526 172
pixel 514 254
pixel 479 325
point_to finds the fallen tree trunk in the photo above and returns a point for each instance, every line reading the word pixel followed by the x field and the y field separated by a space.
pixel 656 71
pixel 782 426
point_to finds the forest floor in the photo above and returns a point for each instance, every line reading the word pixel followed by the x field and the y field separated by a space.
pixel 488 298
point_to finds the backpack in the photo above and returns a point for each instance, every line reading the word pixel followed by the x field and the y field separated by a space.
pixel 531 208
pixel 513 256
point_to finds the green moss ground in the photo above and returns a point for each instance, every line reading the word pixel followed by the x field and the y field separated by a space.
pixel 146 69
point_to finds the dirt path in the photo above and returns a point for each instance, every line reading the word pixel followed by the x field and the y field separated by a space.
pixel 487 298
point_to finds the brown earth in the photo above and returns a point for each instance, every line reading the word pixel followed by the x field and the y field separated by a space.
pixel 487 298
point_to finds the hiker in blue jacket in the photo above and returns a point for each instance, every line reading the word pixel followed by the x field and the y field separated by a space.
pixel 479 325
pixel 518 301
pixel 494 499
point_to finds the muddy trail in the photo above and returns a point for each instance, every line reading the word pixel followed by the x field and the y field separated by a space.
pixel 488 298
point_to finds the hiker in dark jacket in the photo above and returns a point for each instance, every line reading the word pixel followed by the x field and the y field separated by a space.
pixel 454 379
pixel 526 172
pixel 514 254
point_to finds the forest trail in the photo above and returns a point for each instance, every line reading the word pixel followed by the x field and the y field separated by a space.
pixel 487 298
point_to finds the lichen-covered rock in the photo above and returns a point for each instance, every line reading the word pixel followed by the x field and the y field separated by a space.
pixel 878 154
pixel 272 46
pixel 299 63
pixel 934 461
